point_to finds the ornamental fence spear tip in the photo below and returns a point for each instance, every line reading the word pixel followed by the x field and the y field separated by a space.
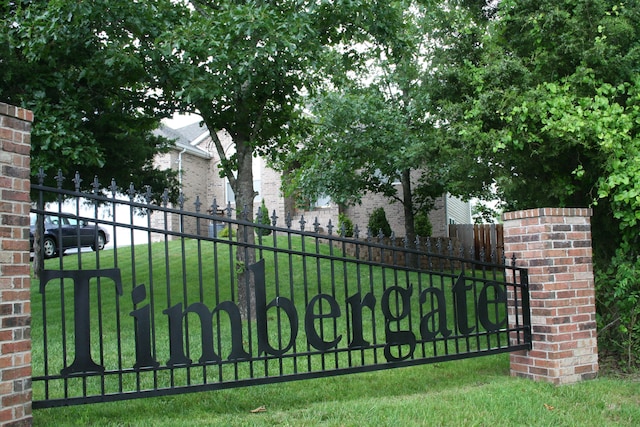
pixel 113 187
pixel 59 179
pixel 77 180
pixel 41 175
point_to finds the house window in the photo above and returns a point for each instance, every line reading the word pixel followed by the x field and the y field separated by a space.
pixel 231 197
pixel 322 202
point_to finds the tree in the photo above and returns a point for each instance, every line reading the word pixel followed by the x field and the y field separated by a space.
pixel 374 131
pixel 102 73
pixel 81 68
pixel 246 67
pixel 364 142
pixel 548 97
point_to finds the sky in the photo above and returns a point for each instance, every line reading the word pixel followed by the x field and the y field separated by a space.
pixel 181 120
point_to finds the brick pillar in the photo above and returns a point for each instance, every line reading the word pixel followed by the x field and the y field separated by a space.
pixel 555 245
pixel 15 308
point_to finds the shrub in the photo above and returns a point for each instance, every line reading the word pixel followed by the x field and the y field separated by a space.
pixel 262 217
pixel 226 231
pixel 345 221
pixel 618 298
pixel 422 224
pixel 378 222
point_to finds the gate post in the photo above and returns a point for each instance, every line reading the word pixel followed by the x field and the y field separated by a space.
pixel 15 281
pixel 554 244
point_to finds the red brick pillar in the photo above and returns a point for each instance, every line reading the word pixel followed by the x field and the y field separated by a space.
pixel 554 244
pixel 15 308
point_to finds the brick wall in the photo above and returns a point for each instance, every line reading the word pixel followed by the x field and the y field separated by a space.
pixel 15 309
pixel 555 245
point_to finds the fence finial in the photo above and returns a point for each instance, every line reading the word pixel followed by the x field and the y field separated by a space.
pixel 77 180
pixel 59 178
pixel 95 185
pixel 41 176
pixel 165 196
pixel 132 191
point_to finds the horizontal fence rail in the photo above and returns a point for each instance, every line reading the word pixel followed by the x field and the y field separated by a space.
pixel 183 301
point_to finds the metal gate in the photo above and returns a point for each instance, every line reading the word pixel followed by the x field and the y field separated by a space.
pixel 183 300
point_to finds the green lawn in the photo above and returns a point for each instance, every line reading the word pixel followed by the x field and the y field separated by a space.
pixel 468 392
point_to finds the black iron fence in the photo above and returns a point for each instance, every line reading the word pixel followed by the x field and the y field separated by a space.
pixel 184 300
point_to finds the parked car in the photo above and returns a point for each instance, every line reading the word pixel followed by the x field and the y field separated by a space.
pixel 73 233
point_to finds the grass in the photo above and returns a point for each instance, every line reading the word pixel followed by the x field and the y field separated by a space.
pixel 467 392
pixel 472 392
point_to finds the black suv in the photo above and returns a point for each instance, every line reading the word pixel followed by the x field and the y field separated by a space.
pixel 61 233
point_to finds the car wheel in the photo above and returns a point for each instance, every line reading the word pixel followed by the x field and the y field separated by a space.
pixel 49 247
pixel 99 245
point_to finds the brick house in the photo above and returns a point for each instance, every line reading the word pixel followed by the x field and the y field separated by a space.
pixel 196 159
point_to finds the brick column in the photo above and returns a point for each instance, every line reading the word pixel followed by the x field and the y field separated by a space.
pixel 15 308
pixel 555 245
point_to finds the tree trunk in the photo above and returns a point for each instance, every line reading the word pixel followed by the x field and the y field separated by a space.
pixel 245 253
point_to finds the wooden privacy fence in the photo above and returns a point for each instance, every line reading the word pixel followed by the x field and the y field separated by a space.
pixel 484 241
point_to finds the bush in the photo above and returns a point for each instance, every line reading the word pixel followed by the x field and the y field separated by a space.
pixel 226 231
pixel 348 225
pixel 378 222
pixel 262 218
pixel 422 224
pixel 618 298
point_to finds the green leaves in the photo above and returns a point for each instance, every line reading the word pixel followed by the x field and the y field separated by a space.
pixel 83 68
pixel 549 96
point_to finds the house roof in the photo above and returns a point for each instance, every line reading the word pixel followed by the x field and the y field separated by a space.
pixel 186 137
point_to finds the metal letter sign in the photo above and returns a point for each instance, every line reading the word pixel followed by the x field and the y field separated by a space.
pixel 83 363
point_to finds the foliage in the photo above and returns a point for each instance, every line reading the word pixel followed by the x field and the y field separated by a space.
pixel 547 100
pixel 77 66
pixel 262 218
pixel 423 224
pixel 227 232
pixel 378 223
pixel 482 213
pixel 373 132
pixel 246 67
pixel 618 290
pixel 345 223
